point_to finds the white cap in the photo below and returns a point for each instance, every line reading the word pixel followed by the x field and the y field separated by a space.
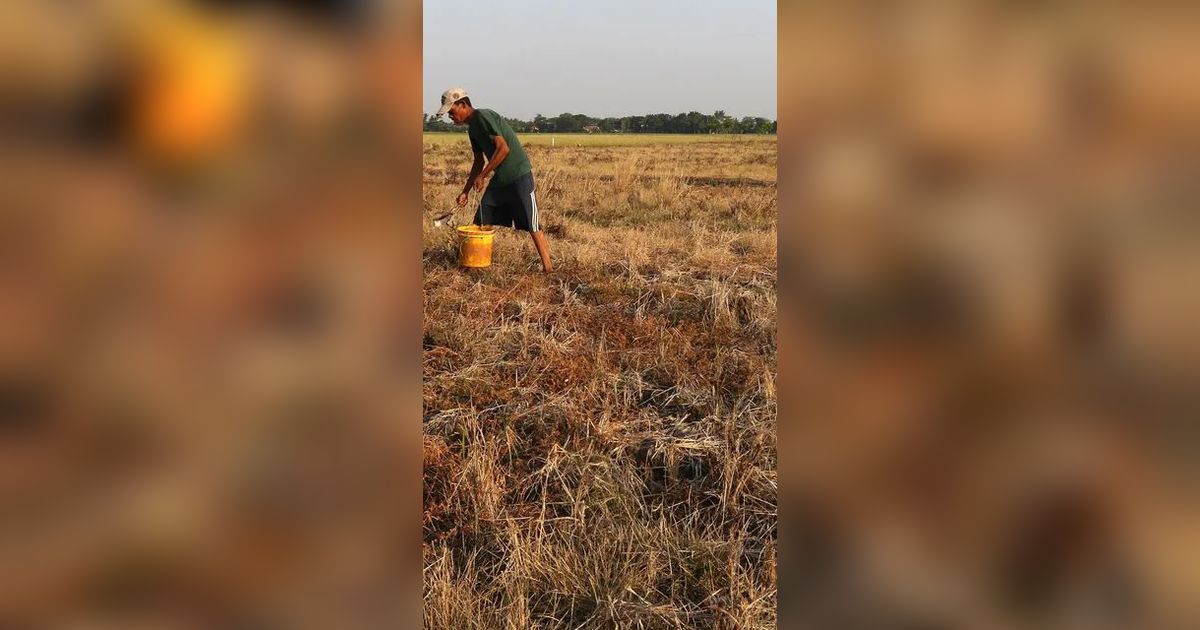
pixel 449 97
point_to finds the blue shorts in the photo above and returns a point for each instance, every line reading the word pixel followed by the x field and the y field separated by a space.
pixel 513 205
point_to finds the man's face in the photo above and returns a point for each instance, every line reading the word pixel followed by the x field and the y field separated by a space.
pixel 458 113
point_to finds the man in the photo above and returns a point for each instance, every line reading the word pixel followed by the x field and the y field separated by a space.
pixel 509 199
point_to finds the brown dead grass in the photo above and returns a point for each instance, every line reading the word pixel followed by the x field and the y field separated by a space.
pixel 600 442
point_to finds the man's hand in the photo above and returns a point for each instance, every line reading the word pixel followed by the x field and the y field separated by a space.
pixel 479 183
pixel 461 200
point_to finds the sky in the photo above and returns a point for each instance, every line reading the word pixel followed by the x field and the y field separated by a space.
pixel 603 57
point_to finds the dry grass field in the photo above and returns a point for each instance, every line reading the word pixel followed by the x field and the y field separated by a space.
pixel 600 442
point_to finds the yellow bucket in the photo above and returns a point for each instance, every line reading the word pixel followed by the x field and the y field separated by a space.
pixel 475 245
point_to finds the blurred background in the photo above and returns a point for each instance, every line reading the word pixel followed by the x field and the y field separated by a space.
pixel 209 387
pixel 988 283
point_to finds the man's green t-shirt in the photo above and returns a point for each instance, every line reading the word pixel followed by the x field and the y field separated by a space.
pixel 485 125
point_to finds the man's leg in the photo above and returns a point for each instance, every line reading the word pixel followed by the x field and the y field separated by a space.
pixel 527 201
pixel 543 249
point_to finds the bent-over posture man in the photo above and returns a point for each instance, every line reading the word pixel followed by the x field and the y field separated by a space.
pixel 509 199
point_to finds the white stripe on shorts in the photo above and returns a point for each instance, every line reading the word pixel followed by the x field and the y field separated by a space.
pixel 533 200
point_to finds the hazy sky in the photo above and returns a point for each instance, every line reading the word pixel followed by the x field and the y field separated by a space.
pixel 603 57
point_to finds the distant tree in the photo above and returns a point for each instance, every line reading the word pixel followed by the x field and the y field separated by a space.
pixel 761 125
pixel 567 123
pixel 584 121
pixel 690 122
pixel 754 124
pixel 434 123
pixel 720 123
pixel 658 123
pixel 677 124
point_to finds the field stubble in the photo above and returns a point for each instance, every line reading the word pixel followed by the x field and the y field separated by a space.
pixel 600 442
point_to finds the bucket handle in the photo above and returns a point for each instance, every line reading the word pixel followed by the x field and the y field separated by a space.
pixel 478 218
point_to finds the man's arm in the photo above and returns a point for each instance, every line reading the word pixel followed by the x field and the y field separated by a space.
pixel 476 167
pixel 497 156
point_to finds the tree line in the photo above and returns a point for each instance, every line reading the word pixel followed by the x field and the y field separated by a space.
pixel 691 122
